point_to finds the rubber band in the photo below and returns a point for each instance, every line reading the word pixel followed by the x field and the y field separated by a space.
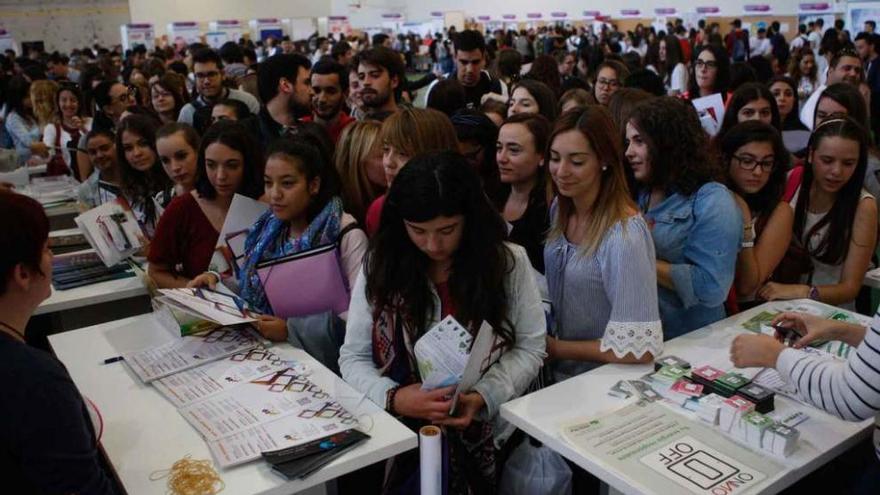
pixel 191 477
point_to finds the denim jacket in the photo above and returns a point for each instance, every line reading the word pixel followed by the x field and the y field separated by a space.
pixel 699 235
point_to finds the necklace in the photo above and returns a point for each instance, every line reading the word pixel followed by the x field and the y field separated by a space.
pixel 15 333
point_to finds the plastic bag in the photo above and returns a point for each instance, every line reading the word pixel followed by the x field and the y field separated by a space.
pixel 533 469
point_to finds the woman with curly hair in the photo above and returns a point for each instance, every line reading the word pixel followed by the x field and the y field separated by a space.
pixel 710 73
pixel 696 224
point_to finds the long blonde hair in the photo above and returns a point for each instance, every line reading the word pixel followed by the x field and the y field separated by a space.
pixel 613 203
pixel 43 100
pixel 358 141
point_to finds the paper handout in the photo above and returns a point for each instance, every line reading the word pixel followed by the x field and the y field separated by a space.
pixel 188 352
pixel 229 253
pixel 112 231
pixel 210 305
pixel 195 384
pixel 711 112
pixel 448 355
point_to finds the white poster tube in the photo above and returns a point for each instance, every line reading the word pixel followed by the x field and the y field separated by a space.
pixel 430 460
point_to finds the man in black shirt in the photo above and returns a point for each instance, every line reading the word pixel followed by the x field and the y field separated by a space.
pixel 470 64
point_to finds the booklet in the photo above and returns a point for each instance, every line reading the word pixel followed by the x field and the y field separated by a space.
pixel 188 352
pixel 195 384
pixel 449 355
pixel 220 308
pixel 229 253
pixel 285 393
pixel 112 231
pixel 711 112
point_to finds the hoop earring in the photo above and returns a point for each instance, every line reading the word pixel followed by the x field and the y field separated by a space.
pixel 604 167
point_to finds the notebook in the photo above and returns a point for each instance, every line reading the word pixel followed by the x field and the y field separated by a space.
pixel 305 283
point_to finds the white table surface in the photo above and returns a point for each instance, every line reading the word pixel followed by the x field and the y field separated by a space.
pixel 542 414
pixel 88 295
pixel 143 432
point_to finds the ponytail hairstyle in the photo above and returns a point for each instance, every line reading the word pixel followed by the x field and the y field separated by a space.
pixel 433 185
pixel 839 219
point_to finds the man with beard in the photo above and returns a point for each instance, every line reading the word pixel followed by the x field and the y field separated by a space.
pixel 329 90
pixel 470 64
pixel 381 73
pixel 283 85
pixel 845 67
pixel 208 71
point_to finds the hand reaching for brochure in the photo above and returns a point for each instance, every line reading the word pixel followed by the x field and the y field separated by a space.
pixel 748 351
pixel 271 327
pixel 206 279
pixel 469 405
pixel 433 405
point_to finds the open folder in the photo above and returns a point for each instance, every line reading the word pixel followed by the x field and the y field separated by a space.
pixel 305 283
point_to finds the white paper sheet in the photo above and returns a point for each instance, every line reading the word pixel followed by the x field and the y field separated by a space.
pixel 112 231
pixel 243 212
pixel 282 394
pixel 210 305
pixel 192 385
pixel 188 352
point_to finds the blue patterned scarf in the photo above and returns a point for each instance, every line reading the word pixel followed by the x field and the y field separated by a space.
pixel 269 238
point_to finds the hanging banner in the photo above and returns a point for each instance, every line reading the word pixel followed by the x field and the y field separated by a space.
pixel 757 9
pixel 137 34
pixel 815 8
pixel 630 13
pixel 708 10
pixel 233 29
pixel 592 14
pixel 266 28
pixel 186 32
pixel 664 11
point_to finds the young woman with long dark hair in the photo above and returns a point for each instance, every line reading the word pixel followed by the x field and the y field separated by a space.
pixel 835 219
pixel 756 162
pixel 440 251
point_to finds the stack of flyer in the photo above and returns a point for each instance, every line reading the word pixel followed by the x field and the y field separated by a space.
pixel 112 231
pixel 193 310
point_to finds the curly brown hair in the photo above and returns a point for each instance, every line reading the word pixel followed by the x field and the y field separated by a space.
pixel 681 160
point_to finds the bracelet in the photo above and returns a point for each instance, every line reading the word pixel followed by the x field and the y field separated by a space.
pixel 389 399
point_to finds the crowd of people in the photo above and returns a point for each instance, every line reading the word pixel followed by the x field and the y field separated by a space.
pixel 557 164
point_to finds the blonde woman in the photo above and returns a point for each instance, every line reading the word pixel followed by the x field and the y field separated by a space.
pixel 406 133
pixel 599 255
pixel 359 163
pixel 43 99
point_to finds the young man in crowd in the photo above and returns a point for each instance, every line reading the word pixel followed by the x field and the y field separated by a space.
pixel 381 73
pixel 208 71
pixel 329 81
pixel 283 85
pixel 470 63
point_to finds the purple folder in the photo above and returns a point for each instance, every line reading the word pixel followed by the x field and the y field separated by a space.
pixel 305 283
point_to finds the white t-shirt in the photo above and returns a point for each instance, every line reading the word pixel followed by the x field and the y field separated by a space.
pixel 49 138
pixel 678 80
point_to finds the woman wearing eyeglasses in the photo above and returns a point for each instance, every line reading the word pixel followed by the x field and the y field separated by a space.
pixel 609 78
pixel 756 161
pixel 835 220
pixel 710 73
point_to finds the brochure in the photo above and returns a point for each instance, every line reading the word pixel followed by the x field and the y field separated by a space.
pixel 112 231
pixel 710 109
pixel 448 355
pixel 285 393
pixel 229 253
pixel 195 384
pixel 223 309
pixel 188 352
pixel 668 452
